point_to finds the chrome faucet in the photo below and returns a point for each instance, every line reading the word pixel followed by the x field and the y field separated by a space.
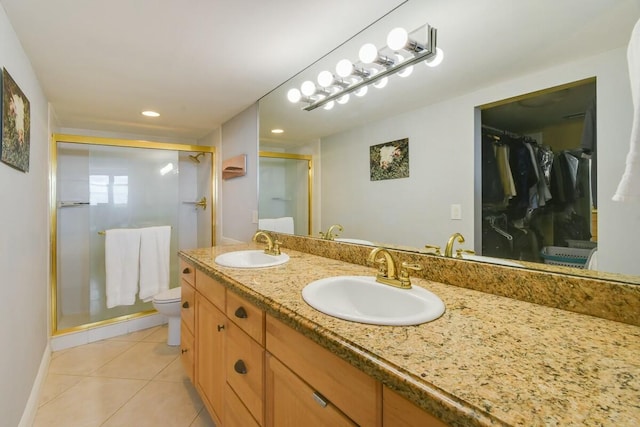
pixel 273 245
pixel 387 269
pixel 448 250
pixel 329 235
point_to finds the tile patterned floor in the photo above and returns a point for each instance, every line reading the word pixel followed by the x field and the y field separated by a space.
pixel 134 380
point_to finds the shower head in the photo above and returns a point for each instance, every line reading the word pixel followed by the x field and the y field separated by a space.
pixel 196 158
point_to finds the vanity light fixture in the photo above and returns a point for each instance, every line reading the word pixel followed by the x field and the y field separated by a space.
pixel 373 68
pixel 150 113
pixel 277 131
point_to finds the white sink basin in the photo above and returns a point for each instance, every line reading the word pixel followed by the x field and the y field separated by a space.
pixel 250 259
pixel 362 299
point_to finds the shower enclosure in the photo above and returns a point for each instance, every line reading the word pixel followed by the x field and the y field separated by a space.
pixel 100 184
pixel 285 188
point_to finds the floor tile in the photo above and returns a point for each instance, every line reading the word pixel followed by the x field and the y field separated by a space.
pixel 159 403
pixel 173 372
pixel 87 358
pixel 203 420
pixel 159 334
pixel 144 360
pixel 56 384
pixel 88 403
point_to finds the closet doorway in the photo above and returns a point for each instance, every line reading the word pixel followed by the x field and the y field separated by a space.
pixel 538 163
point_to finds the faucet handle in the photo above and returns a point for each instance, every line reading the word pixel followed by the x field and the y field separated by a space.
pixel 404 273
pixel 382 266
pixel 436 249
pixel 459 252
pixel 276 247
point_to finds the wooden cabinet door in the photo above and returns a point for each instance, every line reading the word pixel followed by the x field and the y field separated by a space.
pixel 400 412
pixel 210 366
pixel 293 403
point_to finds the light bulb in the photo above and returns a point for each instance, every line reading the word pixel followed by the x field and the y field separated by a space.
pixel 344 67
pixel 308 88
pixel 325 78
pixel 436 60
pixel 329 105
pixel 362 91
pixel 397 38
pixel 343 99
pixel 368 53
pixel 294 95
pixel 381 83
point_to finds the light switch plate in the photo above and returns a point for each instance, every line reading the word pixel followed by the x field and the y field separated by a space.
pixel 456 211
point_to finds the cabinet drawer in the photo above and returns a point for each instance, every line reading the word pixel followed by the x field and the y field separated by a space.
pixel 187 272
pixel 399 411
pixel 245 369
pixel 187 350
pixel 235 413
pixel 210 289
pixel 247 316
pixel 357 394
pixel 188 303
pixel 292 403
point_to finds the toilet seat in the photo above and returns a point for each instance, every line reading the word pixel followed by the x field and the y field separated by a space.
pixel 169 296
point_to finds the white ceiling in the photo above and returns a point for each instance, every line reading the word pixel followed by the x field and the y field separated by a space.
pixel 197 62
pixel 485 42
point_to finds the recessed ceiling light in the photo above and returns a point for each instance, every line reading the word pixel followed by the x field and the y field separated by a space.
pixel 277 131
pixel 150 114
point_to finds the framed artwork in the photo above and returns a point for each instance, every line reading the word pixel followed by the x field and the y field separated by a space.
pixel 389 160
pixel 16 124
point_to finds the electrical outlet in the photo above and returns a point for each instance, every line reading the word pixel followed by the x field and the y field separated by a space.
pixel 254 217
pixel 456 211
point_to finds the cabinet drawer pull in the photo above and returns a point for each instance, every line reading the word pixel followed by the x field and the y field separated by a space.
pixel 241 313
pixel 240 367
pixel 320 399
pixel 184 350
pixel 185 304
pixel 220 327
pixel 187 270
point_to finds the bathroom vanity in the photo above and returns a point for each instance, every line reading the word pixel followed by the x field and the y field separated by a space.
pixel 260 356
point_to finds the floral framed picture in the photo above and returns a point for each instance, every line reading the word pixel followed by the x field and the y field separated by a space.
pixel 389 160
pixel 16 124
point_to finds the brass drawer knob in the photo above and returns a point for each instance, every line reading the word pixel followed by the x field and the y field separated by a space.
pixel 187 270
pixel 240 367
pixel 220 327
pixel 184 350
pixel 185 304
pixel 241 313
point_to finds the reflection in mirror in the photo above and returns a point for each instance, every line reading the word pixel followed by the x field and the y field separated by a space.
pixel 285 192
pixel 538 154
pixel 523 49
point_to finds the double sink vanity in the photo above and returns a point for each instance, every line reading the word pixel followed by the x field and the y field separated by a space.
pixel 315 339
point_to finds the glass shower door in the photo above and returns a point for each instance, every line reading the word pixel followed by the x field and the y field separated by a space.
pixel 284 190
pixel 99 188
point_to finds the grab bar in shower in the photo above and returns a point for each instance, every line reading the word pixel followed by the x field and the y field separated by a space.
pixel 71 204
pixel 200 203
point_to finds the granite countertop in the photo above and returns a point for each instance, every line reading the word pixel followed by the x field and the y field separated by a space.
pixel 489 360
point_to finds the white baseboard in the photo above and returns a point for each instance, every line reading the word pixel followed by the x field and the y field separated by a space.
pixel 29 414
pixel 74 339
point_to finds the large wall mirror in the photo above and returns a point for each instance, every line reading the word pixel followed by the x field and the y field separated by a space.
pixel 495 53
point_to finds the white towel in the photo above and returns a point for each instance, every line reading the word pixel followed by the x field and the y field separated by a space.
pixel 154 261
pixel 629 186
pixel 279 225
pixel 122 255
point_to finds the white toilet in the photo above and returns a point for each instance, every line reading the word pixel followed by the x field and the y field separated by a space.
pixel 168 304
